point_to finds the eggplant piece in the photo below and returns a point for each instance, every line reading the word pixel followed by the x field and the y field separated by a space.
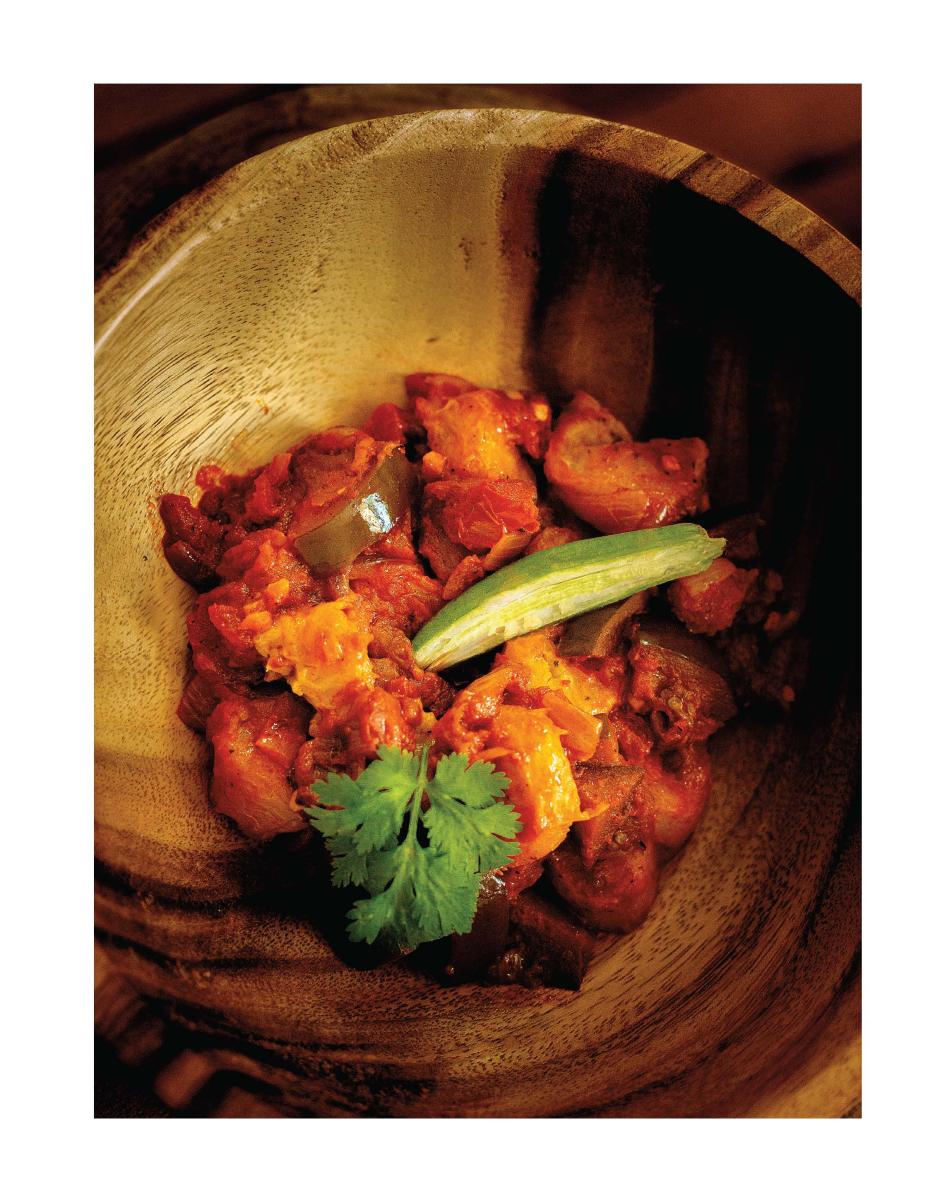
pixel 671 635
pixel 608 790
pixel 595 634
pixel 472 953
pixel 676 788
pixel 192 542
pixel 547 948
pixel 355 522
pixel 608 874
pixel 614 896
pixel 679 682
pixel 521 876
pixel 741 533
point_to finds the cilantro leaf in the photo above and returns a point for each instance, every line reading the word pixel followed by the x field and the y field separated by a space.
pixel 465 819
pixel 445 898
pixel 479 782
pixel 421 869
pixel 368 917
pixel 348 866
pixel 369 811
pixel 427 898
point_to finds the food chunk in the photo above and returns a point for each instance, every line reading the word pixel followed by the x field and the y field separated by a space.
pixel 433 386
pixel 545 948
pixel 617 484
pixel 325 469
pixel 362 720
pixel 197 535
pixel 470 433
pixel 525 744
pixel 261 577
pixel 608 871
pixel 396 592
pixel 684 700
pixel 529 416
pixel 708 602
pixel 437 547
pixel 320 650
pixel 468 570
pixel 742 534
pixel 479 505
pixel 574 696
pixel 597 633
pixel 470 954
pixel 536 658
pixel 478 432
pixel 199 700
pixel 276 578
pixel 676 788
pixel 476 513
pixel 607 792
pixel 192 542
pixel 676 784
pixel 223 652
pixel 467 724
pixel 390 423
pixel 362 701
pixel 356 489
pixel 255 742
pixel 473 526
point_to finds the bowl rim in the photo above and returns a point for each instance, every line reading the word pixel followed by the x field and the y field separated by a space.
pixel 170 235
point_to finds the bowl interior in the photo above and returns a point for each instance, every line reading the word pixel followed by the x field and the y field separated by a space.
pixel 523 250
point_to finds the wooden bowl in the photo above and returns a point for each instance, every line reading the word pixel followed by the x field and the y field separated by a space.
pixel 519 249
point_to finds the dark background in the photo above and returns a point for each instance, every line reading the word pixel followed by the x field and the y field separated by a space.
pixel 805 138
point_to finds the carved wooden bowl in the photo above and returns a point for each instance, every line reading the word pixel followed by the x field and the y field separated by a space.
pixel 518 249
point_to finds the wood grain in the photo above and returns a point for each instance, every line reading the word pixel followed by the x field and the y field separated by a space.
pixel 530 249
pixel 130 193
pixel 155 142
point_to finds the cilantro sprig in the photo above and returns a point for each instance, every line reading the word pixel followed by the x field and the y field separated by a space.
pixel 418 846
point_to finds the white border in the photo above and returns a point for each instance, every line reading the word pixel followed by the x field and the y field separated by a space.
pixel 47 386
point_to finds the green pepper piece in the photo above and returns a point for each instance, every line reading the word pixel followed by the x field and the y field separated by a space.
pixel 595 634
pixel 553 585
pixel 380 500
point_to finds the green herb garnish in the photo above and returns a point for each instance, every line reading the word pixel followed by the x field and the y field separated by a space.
pixel 421 866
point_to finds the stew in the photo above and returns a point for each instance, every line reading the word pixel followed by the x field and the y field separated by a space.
pixel 579 748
